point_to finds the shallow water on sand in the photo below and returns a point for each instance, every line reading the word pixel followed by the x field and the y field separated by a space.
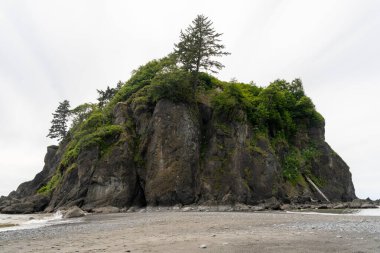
pixel 369 212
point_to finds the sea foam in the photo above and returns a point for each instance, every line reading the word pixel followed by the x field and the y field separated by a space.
pixel 30 221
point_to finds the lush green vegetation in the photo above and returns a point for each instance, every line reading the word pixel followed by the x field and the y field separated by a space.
pixel 298 162
pixel 276 109
pixel 141 77
pixel 291 166
pixel 102 137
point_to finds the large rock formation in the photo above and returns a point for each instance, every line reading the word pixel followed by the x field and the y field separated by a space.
pixel 156 142
pixel 179 153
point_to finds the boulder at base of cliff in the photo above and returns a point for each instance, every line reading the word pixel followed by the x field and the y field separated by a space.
pixel 74 212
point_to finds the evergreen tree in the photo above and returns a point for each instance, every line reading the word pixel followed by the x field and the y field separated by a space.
pixel 58 129
pixel 106 95
pixel 198 44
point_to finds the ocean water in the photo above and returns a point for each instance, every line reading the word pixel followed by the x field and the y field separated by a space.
pixel 30 221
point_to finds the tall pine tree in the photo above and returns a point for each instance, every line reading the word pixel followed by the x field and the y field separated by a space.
pixel 58 129
pixel 198 44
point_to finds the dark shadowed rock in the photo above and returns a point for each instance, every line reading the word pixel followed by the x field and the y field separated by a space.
pixel 302 199
pixel 272 204
pixel 232 171
pixel 172 157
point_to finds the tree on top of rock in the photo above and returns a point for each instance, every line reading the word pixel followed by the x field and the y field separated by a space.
pixel 58 129
pixel 106 95
pixel 198 44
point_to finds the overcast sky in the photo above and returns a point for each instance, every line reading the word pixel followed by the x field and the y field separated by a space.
pixel 55 50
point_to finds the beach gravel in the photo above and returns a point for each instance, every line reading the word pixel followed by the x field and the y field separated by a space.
pixel 168 231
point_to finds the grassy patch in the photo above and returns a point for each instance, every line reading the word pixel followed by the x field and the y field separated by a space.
pixel 51 185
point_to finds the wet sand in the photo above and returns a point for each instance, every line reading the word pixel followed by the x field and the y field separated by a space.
pixel 201 232
pixel 7 225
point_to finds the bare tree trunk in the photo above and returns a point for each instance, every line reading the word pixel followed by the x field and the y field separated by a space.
pixel 195 82
pixel 196 75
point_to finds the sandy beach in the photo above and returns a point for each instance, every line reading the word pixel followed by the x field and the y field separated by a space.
pixel 201 232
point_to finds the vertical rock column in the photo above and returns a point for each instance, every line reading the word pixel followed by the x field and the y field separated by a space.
pixel 172 156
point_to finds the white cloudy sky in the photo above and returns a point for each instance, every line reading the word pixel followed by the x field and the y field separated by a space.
pixel 54 50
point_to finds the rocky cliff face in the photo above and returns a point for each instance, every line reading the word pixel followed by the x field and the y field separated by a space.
pixel 178 153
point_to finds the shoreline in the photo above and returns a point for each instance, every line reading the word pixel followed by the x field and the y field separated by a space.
pixel 268 204
pixel 165 231
pixel 35 220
